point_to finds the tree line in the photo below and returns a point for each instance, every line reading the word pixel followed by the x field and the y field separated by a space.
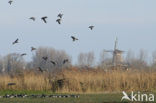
pixel 14 62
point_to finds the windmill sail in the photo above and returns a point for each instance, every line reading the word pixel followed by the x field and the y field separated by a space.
pixel 117 54
pixel 114 61
pixel 115 46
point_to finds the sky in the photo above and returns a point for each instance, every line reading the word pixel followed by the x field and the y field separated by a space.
pixel 133 22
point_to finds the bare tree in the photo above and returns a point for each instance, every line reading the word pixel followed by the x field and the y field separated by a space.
pixel 130 57
pixel 13 63
pixel 57 56
pixel 1 64
pixel 105 60
pixel 90 59
pixel 81 59
pixel 86 59
pixel 154 60
pixel 142 55
pixel 137 62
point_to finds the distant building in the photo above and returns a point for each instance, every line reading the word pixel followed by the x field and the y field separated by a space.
pixel 117 60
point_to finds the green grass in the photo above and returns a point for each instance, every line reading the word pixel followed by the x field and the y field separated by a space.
pixel 84 98
pixel 24 92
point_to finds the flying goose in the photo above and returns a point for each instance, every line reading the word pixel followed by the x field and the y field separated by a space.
pixel 74 38
pixel 23 54
pixel 32 18
pixel 10 2
pixel 66 60
pixel 91 27
pixel 60 15
pixel 45 58
pixel 41 70
pixel 32 48
pixel 54 63
pixel 58 21
pixel 11 84
pixel 44 19
pixel 16 41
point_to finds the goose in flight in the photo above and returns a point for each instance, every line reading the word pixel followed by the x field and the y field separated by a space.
pixel 44 19
pixel 58 21
pixel 74 38
pixel 65 61
pixel 54 63
pixel 10 2
pixel 32 18
pixel 40 69
pixel 45 58
pixel 23 54
pixel 60 15
pixel 91 27
pixel 32 48
pixel 16 41
pixel 11 84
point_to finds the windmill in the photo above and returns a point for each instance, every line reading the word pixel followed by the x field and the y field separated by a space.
pixel 117 55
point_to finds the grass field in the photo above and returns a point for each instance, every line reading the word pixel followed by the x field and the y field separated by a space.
pixel 84 98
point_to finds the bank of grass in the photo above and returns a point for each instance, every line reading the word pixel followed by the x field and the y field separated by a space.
pixel 4 92
pixel 84 98
pixel 76 80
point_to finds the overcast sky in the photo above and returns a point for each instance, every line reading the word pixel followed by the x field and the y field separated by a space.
pixel 132 21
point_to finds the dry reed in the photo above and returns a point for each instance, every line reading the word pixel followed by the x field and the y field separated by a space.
pixel 82 81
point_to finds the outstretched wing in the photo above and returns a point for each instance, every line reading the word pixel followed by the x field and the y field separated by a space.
pixel 10 2
pixel 73 38
pixel 44 20
pixel 16 40
pixel 60 15
pixel 59 21
pixel 32 18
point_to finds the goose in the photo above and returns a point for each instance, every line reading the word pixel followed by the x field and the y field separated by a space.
pixel 74 38
pixel 44 19
pixel 11 84
pixel 16 41
pixel 60 15
pixel 10 2
pixel 45 58
pixel 23 54
pixel 54 63
pixel 66 60
pixel 58 21
pixel 91 27
pixel 32 18
pixel 32 48
pixel 40 69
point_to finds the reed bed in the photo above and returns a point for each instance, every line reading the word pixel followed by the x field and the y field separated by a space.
pixel 76 80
